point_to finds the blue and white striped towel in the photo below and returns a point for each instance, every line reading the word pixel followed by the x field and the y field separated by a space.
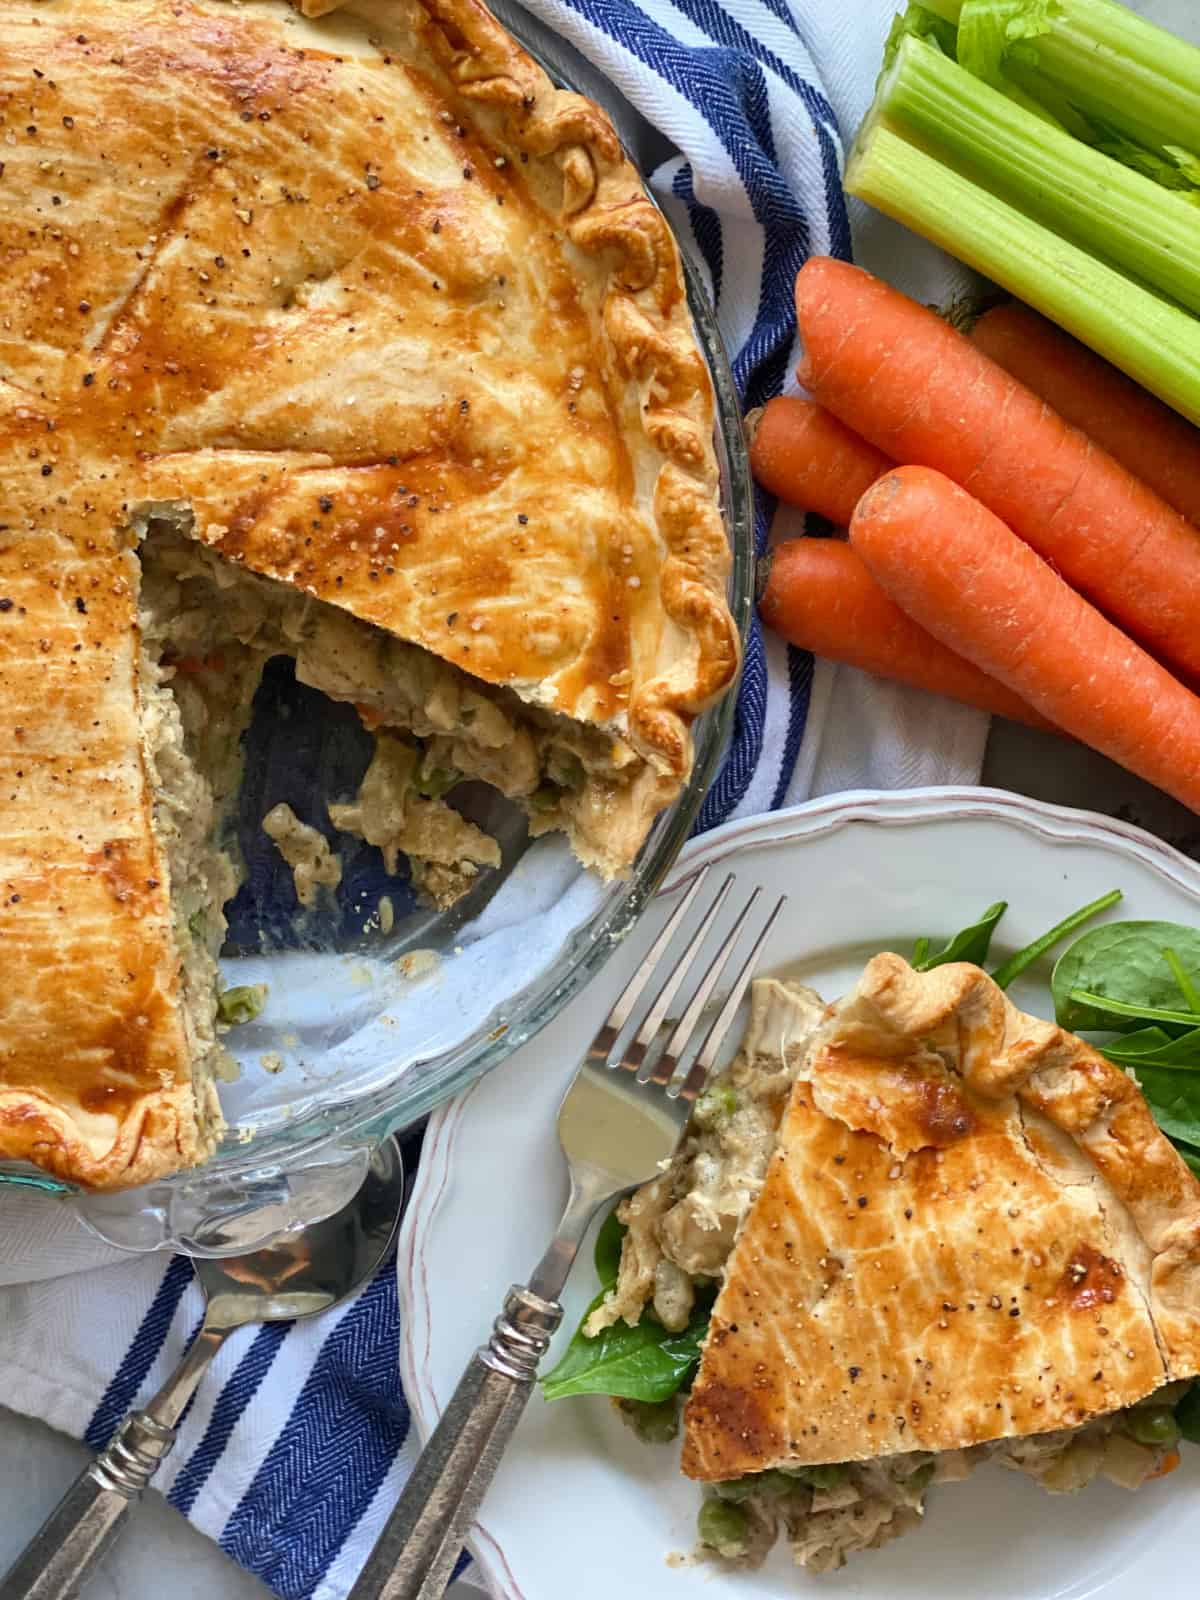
pixel 299 1439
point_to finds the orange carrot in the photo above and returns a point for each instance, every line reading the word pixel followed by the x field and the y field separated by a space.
pixel 808 458
pixel 958 571
pixel 189 665
pixel 820 596
pixel 1168 1464
pixel 922 393
pixel 1155 443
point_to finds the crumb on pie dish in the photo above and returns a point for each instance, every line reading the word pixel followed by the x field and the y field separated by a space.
pixel 352 340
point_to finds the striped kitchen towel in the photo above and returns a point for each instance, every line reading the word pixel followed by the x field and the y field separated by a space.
pixel 299 1439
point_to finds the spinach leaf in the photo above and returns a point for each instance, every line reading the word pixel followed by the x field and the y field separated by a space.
pixel 1125 962
pixel 1154 1047
pixel 1117 1011
pixel 1174 1098
pixel 971 944
pixel 608 1250
pixel 1187 1414
pixel 644 1362
pixel 1012 969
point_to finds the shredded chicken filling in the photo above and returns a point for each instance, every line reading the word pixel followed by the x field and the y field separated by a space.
pixel 681 1229
pixel 201 875
pixel 216 626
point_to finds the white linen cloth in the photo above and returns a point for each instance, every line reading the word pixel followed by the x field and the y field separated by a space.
pixel 299 1439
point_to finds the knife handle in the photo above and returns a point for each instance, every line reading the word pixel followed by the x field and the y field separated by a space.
pixel 62 1554
pixel 415 1554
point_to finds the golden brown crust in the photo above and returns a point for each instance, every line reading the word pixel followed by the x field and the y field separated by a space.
pixel 587 489
pixel 971 1229
pixel 235 249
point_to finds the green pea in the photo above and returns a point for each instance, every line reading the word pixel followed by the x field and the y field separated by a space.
pixel 653 1422
pixel 737 1488
pixel 829 1475
pixel 774 1483
pixel 566 769
pixel 241 1004
pixel 720 1102
pixel 921 1478
pixel 434 783
pixel 1153 1425
pixel 544 798
pixel 723 1527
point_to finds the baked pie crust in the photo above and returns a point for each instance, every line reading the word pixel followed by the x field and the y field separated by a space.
pixel 971 1229
pixel 370 308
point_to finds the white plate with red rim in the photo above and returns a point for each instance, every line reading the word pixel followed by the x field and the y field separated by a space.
pixel 580 1507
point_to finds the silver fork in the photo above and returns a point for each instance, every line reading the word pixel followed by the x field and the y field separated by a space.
pixel 620 1119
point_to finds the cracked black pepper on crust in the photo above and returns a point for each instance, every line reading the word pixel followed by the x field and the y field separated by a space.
pixel 187 223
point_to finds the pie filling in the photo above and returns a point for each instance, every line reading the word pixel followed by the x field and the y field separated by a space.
pixel 208 630
pixel 681 1230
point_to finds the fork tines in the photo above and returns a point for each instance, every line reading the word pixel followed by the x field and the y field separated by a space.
pixel 645 1054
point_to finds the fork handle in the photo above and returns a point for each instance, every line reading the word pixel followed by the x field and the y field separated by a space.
pixel 421 1541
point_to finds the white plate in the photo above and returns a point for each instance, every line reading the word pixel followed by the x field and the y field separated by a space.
pixel 580 1508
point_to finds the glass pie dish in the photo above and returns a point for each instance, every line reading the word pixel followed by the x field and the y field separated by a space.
pixel 378 1007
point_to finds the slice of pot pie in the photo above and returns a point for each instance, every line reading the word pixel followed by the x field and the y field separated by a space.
pixel 350 339
pixel 966 1240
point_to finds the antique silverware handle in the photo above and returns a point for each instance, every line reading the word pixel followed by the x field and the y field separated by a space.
pixel 55 1563
pixel 60 1557
pixel 415 1554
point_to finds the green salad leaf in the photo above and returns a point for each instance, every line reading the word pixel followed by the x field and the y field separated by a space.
pixel 1155 1047
pixel 645 1362
pixel 1126 963
pixel 1016 964
pixel 971 944
pixel 607 1254
pixel 1174 1098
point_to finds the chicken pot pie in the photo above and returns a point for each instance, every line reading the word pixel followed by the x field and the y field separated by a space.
pixel 945 1232
pixel 352 339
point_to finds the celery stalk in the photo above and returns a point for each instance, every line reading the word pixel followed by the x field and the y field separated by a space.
pixel 1114 66
pixel 1155 342
pixel 1075 190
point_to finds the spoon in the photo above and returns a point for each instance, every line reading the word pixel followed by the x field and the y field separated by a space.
pixel 299 1275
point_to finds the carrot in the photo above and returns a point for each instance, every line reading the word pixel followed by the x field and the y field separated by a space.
pixel 1168 1464
pixel 958 571
pixel 1155 443
pixel 820 596
pixel 190 665
pixel 808 458
pixel 922 393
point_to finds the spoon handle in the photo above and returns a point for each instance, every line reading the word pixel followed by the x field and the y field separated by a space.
pixel 422 1539
pixel 86 1521
pixel 60 1557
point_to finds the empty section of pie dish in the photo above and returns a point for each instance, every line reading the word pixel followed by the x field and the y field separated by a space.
pixel 387 980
